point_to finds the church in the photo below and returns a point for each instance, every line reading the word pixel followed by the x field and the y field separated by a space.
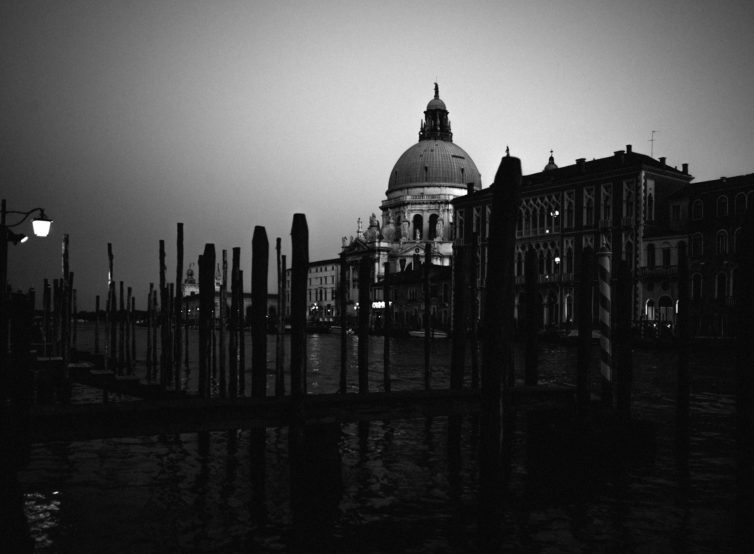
pixel 418 208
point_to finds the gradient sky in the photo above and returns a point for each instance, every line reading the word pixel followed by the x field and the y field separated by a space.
pixel 123 118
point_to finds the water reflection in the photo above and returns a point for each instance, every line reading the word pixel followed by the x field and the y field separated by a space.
pixel 397 486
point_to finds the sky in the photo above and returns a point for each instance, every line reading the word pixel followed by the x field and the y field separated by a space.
pixel 122 119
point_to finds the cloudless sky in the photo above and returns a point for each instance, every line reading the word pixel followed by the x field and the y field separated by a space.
pixel 123 118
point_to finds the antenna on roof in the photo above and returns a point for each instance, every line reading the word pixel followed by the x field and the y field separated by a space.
pixel 652 140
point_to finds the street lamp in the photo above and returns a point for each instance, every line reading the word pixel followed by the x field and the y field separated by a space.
pixel 41 226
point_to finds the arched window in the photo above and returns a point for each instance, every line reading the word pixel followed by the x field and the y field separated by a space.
pixel 650 255
pixel 650 207
pixel 569 260
pixel 737 240
pixel 519 223
pixel 721 286
pixel 541 262
pixel 697 209
pixel 649 309
pixel 722 206
pixel 666 255
pixel 721 242
pixel 628 253
pixel 666 308
pixel 697 245
pixel 432 231
pixel 740 203
pixel 418 227
pixel 696 286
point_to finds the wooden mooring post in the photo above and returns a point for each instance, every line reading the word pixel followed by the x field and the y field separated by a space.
pixel 178 309
pixel 387 328
pixel 623 344
pixel 365 281
pixel 260 254
pixel 299 276
pixel 584 321
pixel 497 362
pixel 206 310
pixel 427 314
pixel 605 303
pixel 342 310
pixel 460 300
pixel 233 324
pixel 532 309
pixel 280 324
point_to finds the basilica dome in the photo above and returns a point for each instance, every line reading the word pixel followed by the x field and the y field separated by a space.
pixel 435 161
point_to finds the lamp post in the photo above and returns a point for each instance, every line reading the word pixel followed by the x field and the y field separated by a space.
pixel 41 227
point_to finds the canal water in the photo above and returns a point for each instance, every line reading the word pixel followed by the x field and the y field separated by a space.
pixel 394 486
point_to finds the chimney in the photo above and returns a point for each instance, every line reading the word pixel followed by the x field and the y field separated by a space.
pixel 619 155
pixel 470 188
pixel 662 160
pixel 629 149
pixel 581 162
pixel 685 168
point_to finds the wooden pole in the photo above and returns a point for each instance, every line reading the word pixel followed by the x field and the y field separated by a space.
pixel 150 326
pixel 241 338
pixel 121 329
pixel 343 311
pixel 684 382
pixel 365 281
pixel 458 355
pixel 299 275
pixel 474 296
pixel 497 363
pixel 206 309
pixel 155 320
pixel 283 310
pixel 260 256
pixel 178 309
pixel 96 323
pixel 427 314
pixel 128 329
pixel 387 328
pixel 110 328
pixel 65 313
pixel 223 382
pixel 585 330
pixel 624 339
pixel 47 308
pixel 531 278
pixel 605 303
pixel 74 317
pixel 280 323
pixel 233 334
pixel 133 330
pixel 744 302
pixel 164 321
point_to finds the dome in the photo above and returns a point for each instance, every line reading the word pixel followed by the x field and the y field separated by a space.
pixel 432 163
pixel 436 104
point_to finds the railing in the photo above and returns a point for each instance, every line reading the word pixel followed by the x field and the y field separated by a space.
pixel 658 271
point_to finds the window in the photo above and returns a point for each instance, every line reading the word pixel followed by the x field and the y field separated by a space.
pixel 650 255
pixel 740 203
pixel 721 242
pixel 666 255
pixel 721 286
pixel 697 209
pixel 588 216
pixel 628 199
pixel 675 213
pixel 459 225
pixel 697 245
pixel 569 260
pixel 721 206
pixel 696 287
pixel 570 210
pixel 418 227
pixel 606 202
pixel 650 207
pixel 737 240
pixel 432 231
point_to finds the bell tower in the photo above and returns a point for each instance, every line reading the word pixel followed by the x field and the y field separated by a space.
pixel 436 125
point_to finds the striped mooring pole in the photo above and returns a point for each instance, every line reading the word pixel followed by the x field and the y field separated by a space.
pixel 603 266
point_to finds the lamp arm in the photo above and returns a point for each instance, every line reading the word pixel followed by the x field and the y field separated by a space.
pixel 24 214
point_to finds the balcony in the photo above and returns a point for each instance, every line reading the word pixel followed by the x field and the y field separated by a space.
pixel 657 271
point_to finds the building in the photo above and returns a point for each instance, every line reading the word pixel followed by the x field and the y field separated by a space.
pixel 417 208
pixel 716 215
pixel 628 203
pixel 322 285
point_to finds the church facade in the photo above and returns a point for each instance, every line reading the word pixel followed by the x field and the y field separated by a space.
pixel 417 209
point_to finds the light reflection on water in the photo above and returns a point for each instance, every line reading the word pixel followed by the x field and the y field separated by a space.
pixel 398 488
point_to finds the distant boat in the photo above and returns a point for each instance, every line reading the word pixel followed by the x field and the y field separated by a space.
pixel 434 333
